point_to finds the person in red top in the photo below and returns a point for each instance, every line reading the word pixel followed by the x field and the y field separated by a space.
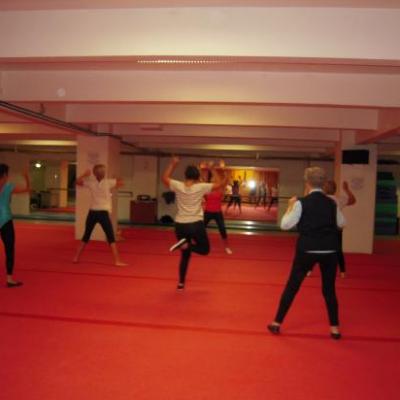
pixel 213 209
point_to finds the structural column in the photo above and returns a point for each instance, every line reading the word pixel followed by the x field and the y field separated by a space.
pixel 91 151
pixel 63 198
pixel 359 232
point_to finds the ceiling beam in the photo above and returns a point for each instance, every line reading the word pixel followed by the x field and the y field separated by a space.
pixel 367 90
pixel 224 114
pixel 247 31
pixel 388 126
pixel 215 131
pixel 106 4
pixel 233 147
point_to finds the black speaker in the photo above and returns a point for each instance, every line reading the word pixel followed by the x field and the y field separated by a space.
pixel 355 157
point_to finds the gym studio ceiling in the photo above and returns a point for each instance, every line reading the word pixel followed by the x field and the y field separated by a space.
pixel 199 77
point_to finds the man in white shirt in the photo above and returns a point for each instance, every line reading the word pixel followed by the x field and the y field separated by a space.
pixel 100 190
pixel 317 218
pixel 189 220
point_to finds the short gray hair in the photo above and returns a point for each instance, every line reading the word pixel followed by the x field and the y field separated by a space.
pixel 315 177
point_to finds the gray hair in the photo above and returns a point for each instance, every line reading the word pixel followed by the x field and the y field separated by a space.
pixel 315 177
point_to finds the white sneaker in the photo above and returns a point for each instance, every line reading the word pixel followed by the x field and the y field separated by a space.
pixel 228 250
pixel 178 245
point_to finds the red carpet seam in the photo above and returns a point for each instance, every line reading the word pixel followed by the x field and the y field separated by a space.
pixel 231 258
pixel 116 276
pixel 141 325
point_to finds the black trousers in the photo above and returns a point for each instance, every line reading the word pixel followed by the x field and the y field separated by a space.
pixel 8 238
pixel 196 235
pixel 341 260
pixel 103 218
pixel 302 263
pixel 235 200
pixel 340 255
pixel 218 217
pixel 273 200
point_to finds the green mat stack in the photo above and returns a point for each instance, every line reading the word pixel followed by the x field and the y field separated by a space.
pixel 386 205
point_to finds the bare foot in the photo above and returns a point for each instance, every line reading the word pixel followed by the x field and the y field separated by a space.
pixel 121 264
pixel 335 330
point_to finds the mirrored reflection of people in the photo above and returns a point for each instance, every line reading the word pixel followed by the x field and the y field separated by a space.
pixel 236 198
pixel 317 218
pixel 100 207
pixel 262 195
pixel 274 195
pixel 253 192
pixel 7 233
pixel 189 221
pixel 227 192
pixel 213 206
pixel 346 199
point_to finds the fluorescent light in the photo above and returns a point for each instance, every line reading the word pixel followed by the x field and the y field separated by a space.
pixel 174 61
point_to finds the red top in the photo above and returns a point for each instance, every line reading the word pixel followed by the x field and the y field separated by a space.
pixel 214 201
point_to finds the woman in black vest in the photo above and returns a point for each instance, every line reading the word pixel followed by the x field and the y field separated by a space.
pixel 317 218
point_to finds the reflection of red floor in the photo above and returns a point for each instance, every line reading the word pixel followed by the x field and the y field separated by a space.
pixel 94 331
pixel 250 213
pixel 68 210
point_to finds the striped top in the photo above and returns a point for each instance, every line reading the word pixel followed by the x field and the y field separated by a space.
pixel 189 199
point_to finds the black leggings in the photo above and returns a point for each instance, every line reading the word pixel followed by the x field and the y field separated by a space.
pixel 302 263
pixel 341 261
pixel 273 200
pixel 218 217
pixel 8 238
pixel 196 235
pixel 235 199
pixel 103 218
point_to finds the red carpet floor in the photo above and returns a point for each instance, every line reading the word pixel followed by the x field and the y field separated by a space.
pixel 94 331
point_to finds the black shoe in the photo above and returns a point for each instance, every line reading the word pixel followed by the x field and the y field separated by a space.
pixel 336 336
pixel 274 329
pixel 180 286
pixel 14 284
pixel 178 245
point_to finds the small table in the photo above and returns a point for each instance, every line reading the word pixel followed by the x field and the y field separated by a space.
pixel 143 212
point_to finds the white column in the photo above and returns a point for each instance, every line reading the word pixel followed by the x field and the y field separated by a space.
pixel 91 151
pixel 63 198
pixel 358 234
